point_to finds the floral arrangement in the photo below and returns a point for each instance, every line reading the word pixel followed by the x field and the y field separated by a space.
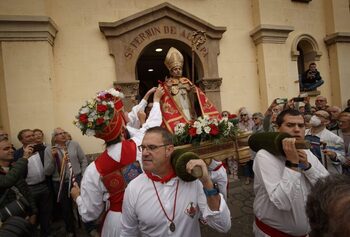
pixel 205 129
pixel 96 113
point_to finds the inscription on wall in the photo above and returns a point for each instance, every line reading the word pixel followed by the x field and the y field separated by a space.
pixel 154 31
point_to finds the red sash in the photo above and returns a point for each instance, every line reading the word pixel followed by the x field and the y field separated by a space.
pixel 110 171
pixel 272 231
pixel 173 115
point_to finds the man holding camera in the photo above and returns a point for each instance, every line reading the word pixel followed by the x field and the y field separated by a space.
pixel 36 179
pixel 311 78
pixel 15 197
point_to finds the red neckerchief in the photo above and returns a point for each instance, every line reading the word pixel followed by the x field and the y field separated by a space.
pixel 163 180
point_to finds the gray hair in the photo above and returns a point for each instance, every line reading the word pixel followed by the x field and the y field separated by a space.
pixel 258 115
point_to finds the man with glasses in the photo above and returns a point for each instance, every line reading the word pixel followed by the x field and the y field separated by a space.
pixel 334 151
pixel 56 166
pixel 158 203
pixel 282 183
pixel 321 103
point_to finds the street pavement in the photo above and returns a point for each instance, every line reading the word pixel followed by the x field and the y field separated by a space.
pixel 240 202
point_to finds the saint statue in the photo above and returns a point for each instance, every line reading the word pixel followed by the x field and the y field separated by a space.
pixel 182 101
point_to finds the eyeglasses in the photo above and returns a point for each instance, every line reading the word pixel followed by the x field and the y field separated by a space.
pixel 255 118
pixel 242 115
pixel 150 147
pixel 320 100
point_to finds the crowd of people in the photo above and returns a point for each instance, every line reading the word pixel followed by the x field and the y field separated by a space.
pixel 132 189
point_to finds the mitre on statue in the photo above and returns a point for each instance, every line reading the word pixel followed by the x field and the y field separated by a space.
pixel 173 59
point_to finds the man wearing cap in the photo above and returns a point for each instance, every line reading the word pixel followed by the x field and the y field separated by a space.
pixel 158 203
pixel 183 101
pixel 105 179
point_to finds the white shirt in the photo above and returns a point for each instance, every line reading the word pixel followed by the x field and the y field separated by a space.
pixel 219 177
pixel 93 193
pixel 334 143
pixel 142 212
pixel 132 115
pixel 35 170
pixel 281 193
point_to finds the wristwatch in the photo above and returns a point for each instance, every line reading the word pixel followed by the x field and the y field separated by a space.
pixel 210 192
pixel 290 164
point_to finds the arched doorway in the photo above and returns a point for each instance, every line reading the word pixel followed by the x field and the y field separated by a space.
pixel 304 51
pixel 150 66
pixel 131 40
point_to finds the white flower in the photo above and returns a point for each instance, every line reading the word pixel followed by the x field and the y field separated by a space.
pixel 199 131
pixel 207 129
pixel 104 102
pixel 115 93
pixel 90 132
pixel 197 124
pixel 179 128
pixel 84 110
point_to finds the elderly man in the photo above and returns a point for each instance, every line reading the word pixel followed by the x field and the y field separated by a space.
pixel 321 103
pixel 334 111
pixel 56 166
pixel 334 152
pixel 344 132
pixel 158 203
pixel 282 183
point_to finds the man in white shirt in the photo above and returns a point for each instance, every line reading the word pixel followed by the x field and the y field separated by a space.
pixel 158 203
pixel 334 152
pixel 36 179
pixel 100 187
pixel 282 183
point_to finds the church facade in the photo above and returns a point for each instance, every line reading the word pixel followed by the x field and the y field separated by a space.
pixel 54 55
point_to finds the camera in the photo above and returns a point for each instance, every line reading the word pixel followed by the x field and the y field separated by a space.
pixel 298 99
pixel 16 226
pixel 38 147
pixel 17 207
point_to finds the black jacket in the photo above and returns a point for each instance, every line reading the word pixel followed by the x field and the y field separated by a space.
pixel 15 177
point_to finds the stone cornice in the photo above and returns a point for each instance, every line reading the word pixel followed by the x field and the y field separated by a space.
pixel 164 10
pixel 27 28
pixel 337 37
pixel 275 34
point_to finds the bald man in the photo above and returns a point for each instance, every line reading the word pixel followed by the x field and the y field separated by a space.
pixel 321 103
